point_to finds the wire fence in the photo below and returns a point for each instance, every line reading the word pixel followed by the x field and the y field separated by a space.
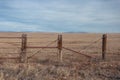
pixel 89 47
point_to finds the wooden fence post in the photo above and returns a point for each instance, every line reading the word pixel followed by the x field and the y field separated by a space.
pixel 60 47
pixel 104 45
pixel 23 56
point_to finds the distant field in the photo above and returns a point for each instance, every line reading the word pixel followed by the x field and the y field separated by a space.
pixel 45 65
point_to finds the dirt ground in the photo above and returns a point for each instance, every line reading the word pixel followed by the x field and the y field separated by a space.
pixel 45 65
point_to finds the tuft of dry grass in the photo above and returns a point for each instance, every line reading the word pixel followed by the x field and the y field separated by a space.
pixel 83 71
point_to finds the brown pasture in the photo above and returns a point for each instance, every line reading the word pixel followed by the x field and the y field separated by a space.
pixel 47 60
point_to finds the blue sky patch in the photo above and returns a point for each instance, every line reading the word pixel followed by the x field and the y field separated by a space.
pixel 60 15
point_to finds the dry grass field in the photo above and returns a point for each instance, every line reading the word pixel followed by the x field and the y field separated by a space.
pixel 45 65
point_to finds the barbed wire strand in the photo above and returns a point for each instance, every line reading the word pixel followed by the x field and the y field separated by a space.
pixel 51 43
pixel 40 50
pixel 86 47
pixel 33 54
pixel 13 44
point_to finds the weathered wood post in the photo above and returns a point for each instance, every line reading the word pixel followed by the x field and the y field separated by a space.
pixel 23 56
pixel 104 45
pixel 60 47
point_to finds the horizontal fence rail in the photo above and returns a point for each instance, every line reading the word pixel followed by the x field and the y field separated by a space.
pixel 33 47
pixel 9 57
pixel 10 37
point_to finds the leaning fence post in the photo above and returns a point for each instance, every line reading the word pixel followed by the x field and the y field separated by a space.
pixel 60 47
pixel 23 56
pixel 104 45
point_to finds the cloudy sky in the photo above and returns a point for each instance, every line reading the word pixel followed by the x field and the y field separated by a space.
pixel 60 15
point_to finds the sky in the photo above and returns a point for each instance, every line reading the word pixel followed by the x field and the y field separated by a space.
pixel 97 16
